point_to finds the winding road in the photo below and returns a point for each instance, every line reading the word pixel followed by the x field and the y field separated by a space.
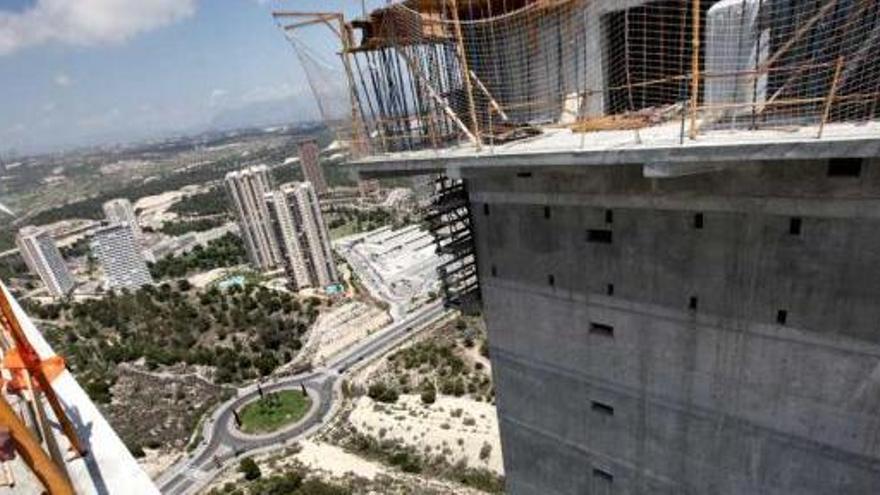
pixel 223 443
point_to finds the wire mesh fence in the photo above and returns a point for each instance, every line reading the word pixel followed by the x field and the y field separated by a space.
pixel 432 73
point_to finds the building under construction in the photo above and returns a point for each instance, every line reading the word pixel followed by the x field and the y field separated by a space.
pixel 671 210
pixel 430 73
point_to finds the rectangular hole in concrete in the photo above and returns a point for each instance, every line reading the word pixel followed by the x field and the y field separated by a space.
pixel 486 209
pixel 602 236
pixel 692 303
pixel 546 212
pixel 551 280
pixel 602 408
pixel 610 289
pixel 494 270
pixel 609 216
pixel 524 175
pixel 698 221
pixel 601 329
pixel 844 167
pixel 603 475
pixel 794 226
pixel 781 316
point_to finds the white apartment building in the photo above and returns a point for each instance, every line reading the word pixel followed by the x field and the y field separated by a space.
pixel 44 259
pixel 119 255
pixel 247 189
pixel 120 210
pixel 300 231
pixel 310 162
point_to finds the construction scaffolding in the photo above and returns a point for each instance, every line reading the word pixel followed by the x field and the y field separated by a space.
pixel 450 224
pixel 429 73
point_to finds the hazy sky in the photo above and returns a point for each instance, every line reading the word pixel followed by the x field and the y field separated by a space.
pixel 80 72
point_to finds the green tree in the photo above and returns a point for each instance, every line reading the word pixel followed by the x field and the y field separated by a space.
pixel 249 469
pixel 429 393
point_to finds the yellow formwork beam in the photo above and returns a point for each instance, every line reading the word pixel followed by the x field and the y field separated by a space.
pixel 30 450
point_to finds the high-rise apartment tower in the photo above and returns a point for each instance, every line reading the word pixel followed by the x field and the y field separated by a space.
pixel 44 259
pixel 300 231
pixel 310 161
pixel 247 190
pixel 121 211
pixel 120 257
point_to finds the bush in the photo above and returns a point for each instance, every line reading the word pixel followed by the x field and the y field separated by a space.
pixel 484 349
pixel 408 463
pixel 286 484
pixel 485 451
pixel 137 451
pixel 249 469
pixel 429 393
pixel 458 387
pixel 184 227
pixel 382 393
pixel 98 390
pixel 315 486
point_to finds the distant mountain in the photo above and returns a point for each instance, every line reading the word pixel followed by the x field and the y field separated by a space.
pixel 266 112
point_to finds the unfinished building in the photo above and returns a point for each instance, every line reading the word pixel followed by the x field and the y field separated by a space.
pixel 669 211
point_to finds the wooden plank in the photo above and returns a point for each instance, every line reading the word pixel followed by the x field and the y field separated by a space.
pixel 462 55
pixel 32 452
pixel 695 67
pixel 831 93
pixel 486 92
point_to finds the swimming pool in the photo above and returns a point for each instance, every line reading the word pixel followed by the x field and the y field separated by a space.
pixel 233 280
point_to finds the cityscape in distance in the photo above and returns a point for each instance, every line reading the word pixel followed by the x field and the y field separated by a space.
pixel 440 247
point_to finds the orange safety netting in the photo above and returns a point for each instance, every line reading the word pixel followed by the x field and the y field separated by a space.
pixel 430 72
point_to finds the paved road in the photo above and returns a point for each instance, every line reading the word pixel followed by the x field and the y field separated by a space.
pixel 223 444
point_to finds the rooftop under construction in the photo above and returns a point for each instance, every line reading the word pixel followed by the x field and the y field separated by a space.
pixel 433 74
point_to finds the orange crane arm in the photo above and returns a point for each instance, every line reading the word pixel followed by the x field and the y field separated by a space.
pixel 32 361
pixel 32 452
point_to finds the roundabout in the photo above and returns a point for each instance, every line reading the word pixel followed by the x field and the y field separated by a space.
pixel 223 442
pixel 275 412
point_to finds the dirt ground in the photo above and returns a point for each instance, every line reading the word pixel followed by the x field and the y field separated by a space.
pixel 331 463
pixel 459 427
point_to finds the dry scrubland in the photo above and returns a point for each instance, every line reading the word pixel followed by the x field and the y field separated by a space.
pixel 428 409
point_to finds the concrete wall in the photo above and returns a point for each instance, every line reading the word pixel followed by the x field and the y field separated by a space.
pixel 720 398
